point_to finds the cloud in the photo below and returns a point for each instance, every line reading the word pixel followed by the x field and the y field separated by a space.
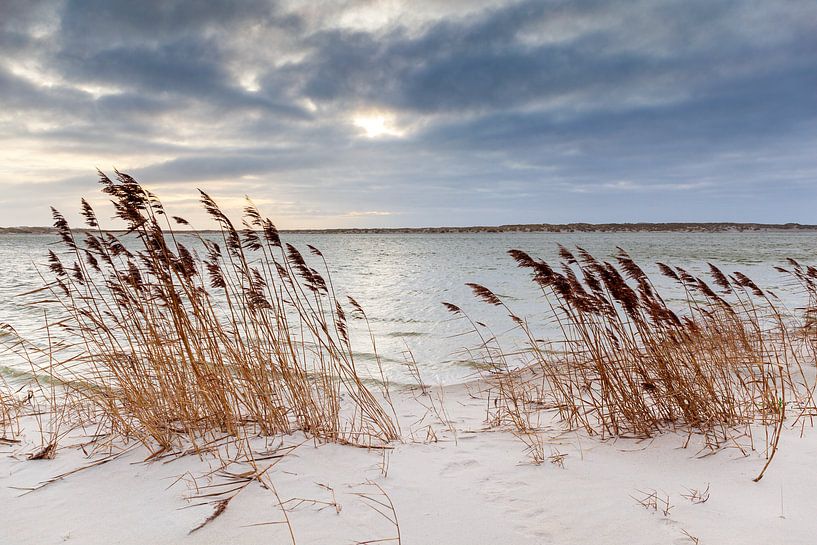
pixel 358 213
pixel 506 111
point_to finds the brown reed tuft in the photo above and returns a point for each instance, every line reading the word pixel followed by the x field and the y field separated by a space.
pixel 171 347
pixel 629 364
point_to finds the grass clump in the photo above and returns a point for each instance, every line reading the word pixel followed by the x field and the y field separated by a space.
pixel 168 344
pixel 627 363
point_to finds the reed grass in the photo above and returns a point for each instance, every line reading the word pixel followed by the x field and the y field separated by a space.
pixel 8 411
pixel 627 363
pixel 172 347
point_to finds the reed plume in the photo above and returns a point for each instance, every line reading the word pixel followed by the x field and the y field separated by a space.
pixel 630 364
pixel 174 346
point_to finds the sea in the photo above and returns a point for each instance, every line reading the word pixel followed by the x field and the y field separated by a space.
pixel 402 279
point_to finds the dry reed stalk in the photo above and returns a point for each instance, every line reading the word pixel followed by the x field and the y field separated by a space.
pixel 9 424
pixel 381 503
pixel 174 347
pixel 630 365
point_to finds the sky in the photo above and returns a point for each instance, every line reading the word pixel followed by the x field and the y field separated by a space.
pixel 422 113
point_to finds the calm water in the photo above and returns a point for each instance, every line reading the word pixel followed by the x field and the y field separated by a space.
pixel 401 279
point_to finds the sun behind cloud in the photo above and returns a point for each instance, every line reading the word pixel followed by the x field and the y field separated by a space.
pixel 377 124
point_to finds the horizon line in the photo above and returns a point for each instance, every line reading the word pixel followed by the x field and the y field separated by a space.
pixel 709 226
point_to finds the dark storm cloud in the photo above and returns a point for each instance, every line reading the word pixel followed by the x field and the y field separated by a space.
pixel 166 48
pixel 455 65
pixel 482 63
pixel 498 109
pixel 92 23
pixel 190 69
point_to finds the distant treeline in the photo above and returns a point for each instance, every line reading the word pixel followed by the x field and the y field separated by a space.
pixel 527 228
pixel 582 227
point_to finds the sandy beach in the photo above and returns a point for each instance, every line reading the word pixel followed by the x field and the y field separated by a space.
pixel 469 486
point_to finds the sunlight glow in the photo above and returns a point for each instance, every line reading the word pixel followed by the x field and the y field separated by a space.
pixel 376 124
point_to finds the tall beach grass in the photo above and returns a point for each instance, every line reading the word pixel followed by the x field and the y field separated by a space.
pixel 627 363
pixel 169 346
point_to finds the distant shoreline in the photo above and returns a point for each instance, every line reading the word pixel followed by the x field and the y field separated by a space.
pixel 714 227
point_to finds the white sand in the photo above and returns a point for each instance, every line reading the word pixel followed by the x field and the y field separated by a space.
pixel 471 487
